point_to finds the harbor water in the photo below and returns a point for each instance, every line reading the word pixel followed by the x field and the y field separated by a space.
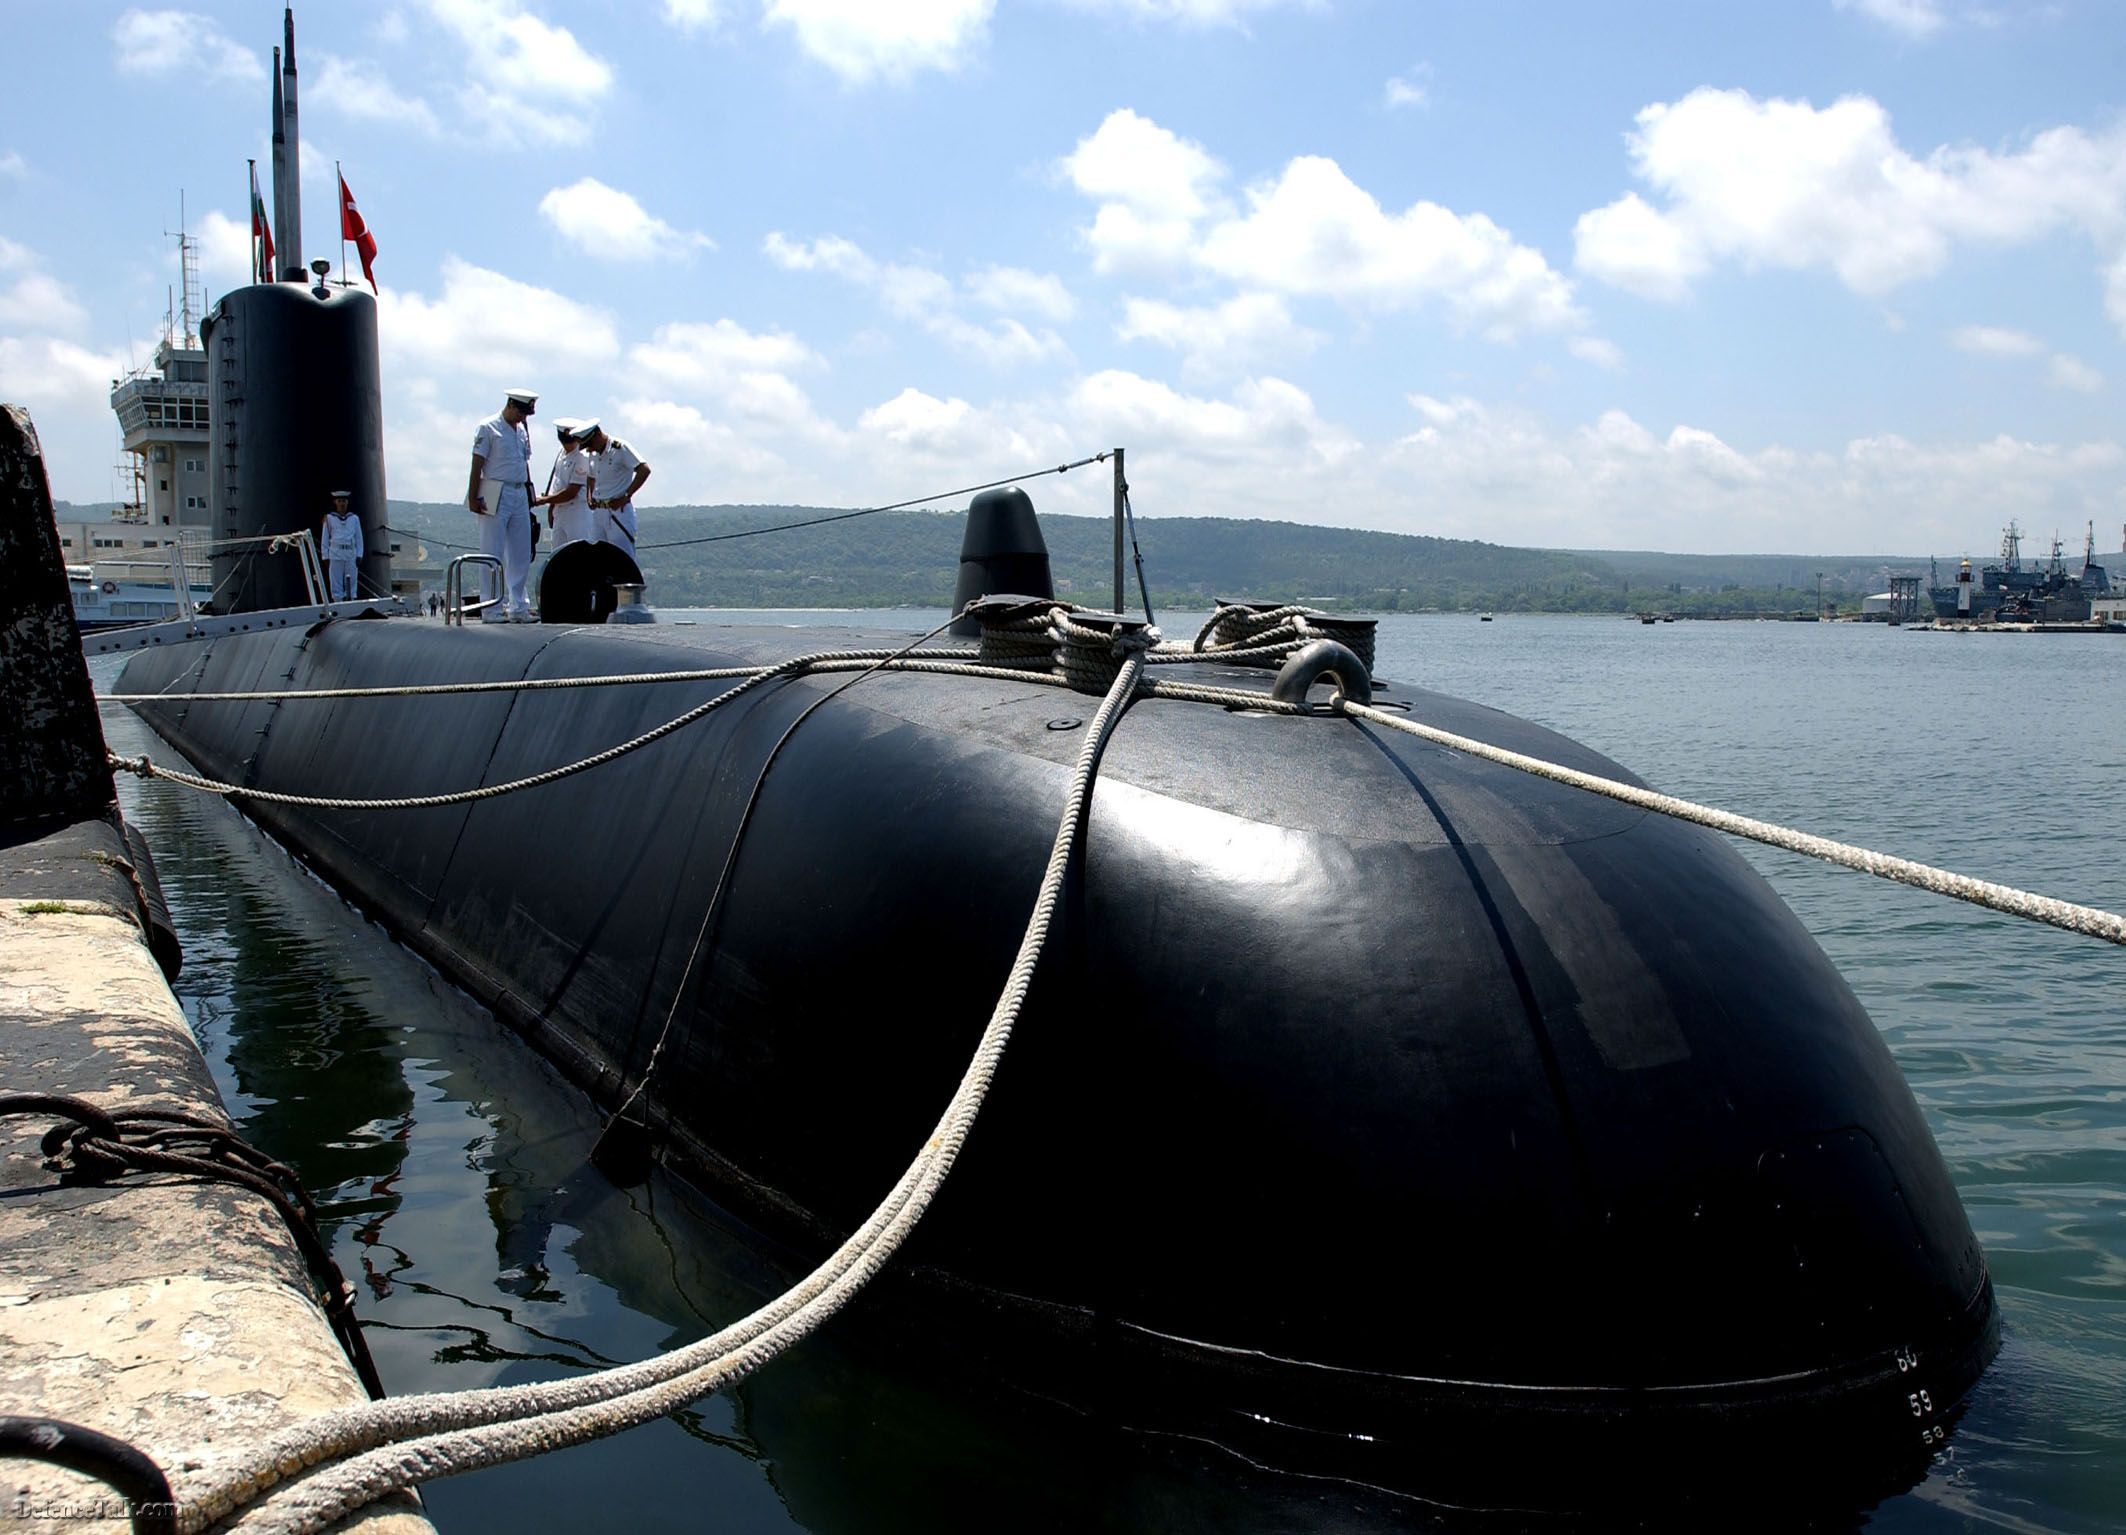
pixel 452 1162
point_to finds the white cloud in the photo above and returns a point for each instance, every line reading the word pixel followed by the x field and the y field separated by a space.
pixel 1914 18
pixel 1014 288
pixel 915 419
pixel 1219 340
pixel 357 89
pixel 1152 185
pixel 1501 472
pixel 863 40
pixel 181 43
pixel 1633 246
pixel 829 253
pixel 2115 291
pixel 1194 13
pixel 701 458
pixel 2070 372
pixel 1410 89
pixel 492 327
pixel 1315 231
pixel 13 167
pixel 1786 184
pixel 608 223
pixel 928 300
pixel 1311 231
pixel 692 15
pixel 224 251
pixel 1266 422
pixel 1595 350
pixel 31 299
pixel 523 76
pixel 1001 343
pixel 696 355
pixel 48 371
pixel 1995 341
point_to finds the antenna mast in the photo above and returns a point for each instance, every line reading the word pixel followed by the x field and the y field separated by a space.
pixel 188 276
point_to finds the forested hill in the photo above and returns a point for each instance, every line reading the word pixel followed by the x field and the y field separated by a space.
pixel 911 558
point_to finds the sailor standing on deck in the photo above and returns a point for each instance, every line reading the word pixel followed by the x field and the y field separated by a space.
pixel 568 489
pixel 343 548
pixel 617 472
pixel 498 493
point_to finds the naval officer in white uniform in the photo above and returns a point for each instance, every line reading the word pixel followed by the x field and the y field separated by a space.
pixel 568 488
pixel 617 472
pixel 498 494
pixel 343 548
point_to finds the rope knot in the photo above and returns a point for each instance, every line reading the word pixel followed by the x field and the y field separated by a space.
pixel 1094 646
pixel 140 765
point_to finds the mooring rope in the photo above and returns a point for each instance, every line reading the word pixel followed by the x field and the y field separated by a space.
pixel 408 1440
pixel 95 1144
pixel 144 766
pixel 894 506
pixel 505 685
pixel 2088 920
pixel 1085 662
pixel 714 909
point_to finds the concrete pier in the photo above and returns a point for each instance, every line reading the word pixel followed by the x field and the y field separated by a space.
pixel 171 1312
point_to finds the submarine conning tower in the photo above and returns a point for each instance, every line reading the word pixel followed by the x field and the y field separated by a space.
pixel 298 413
pixel 296 402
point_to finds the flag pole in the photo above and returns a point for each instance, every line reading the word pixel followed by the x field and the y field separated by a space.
pixel 339 191
pixel 251 214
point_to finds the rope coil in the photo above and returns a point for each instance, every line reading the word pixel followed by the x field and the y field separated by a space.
pixel 1095 648
pixel 1019 638
pixel 94 1145
pixel 1262 635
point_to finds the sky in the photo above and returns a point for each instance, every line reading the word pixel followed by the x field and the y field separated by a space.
pixel 1813 276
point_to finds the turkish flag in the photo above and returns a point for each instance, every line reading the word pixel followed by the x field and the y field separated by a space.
pixel 352 228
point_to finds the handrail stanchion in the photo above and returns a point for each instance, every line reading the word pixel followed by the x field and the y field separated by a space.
pixel 454 586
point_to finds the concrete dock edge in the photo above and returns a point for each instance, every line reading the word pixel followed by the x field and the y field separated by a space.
pixel 168 1311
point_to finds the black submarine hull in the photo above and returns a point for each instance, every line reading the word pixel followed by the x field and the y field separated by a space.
pixel 1377 1111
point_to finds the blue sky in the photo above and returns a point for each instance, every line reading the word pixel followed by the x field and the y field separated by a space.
pixel 1824 275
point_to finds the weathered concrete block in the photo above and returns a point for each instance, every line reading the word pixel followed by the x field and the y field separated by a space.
pixel 174 1314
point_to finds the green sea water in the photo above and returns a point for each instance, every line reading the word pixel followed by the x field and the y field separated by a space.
pixel 452 1162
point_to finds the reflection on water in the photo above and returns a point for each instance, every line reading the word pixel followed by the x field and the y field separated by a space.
pixel 452 1162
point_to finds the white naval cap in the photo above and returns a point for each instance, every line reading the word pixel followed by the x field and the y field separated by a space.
pixel 568 426
pixel 341 495
pixel 585 427
pixel 522 396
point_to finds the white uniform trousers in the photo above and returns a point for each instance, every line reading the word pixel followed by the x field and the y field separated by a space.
pixel 506 533
pixel 572 521
pixel 619 527
pixel 490 544
pixel 339 580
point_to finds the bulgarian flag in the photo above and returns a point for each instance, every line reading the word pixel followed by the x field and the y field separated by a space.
pixel 352 228
pixel 261 235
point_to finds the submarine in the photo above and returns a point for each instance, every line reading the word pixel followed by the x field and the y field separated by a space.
pixel 1377 1112
pixel 1369 1096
